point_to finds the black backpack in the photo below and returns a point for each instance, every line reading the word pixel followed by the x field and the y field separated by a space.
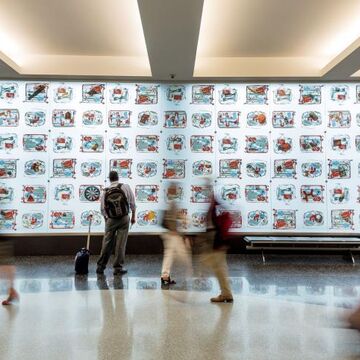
pixel 115 201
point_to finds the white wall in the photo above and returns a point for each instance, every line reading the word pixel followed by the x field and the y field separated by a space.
pixel 331 213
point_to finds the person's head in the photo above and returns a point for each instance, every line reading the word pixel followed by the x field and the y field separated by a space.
pixel 113 176
pixel 172 187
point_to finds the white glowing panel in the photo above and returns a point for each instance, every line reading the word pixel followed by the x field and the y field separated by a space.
pixel 284 158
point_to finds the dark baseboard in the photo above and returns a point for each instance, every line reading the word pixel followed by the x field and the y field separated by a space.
pixel 69 245
pixel 136 245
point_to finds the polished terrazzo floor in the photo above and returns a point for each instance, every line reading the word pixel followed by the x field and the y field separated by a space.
pixel 290 308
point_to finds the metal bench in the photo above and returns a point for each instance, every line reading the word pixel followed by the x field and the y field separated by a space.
pixel 348 244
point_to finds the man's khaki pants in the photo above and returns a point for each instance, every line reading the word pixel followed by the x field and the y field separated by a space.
pixel 216 261
pixel 116 234
pixel 174 247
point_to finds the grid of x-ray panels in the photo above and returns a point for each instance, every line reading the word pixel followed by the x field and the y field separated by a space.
pixel 284 157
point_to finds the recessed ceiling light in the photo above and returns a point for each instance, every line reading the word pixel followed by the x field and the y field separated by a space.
pixel 242 38
pixel 10 48
pixel 103 38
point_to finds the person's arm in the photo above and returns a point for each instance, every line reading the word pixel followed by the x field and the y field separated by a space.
pixel 102 204
pixel 133 208
pixel 133 217
pixel 131 200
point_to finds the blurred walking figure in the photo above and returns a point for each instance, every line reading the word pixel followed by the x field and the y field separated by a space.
pixel 213 248
pixel 7 271
pixel 354 319
pixel 174 244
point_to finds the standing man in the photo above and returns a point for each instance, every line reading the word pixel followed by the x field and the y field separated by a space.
pixel 116 202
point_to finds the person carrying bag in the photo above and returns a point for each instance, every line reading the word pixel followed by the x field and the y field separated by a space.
pixel 116 203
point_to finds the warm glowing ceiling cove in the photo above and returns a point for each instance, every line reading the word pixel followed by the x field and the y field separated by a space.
pixel 73 37
pixel 287 38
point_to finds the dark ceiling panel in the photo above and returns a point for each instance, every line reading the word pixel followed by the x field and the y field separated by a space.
pixel 171 30
pixel 6 71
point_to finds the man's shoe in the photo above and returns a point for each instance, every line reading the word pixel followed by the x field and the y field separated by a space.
pixel 222 299
pixel 120 271
pixel 100 271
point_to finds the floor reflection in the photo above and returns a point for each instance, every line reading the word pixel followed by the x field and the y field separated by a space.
pixel 116 335
pixel 147 324
pixel 331 295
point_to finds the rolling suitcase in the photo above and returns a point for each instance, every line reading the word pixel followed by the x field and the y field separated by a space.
pixel 83 255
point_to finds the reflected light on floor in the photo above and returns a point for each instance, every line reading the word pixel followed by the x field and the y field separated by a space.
pixel 155 324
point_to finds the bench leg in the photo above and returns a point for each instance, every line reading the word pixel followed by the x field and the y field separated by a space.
pixel 263 256
pixel 352 257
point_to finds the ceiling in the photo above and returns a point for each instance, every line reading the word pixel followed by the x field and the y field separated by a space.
pixel 67 37
pixel 195 40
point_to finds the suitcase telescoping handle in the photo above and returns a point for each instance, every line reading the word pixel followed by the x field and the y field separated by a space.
pixel 88 235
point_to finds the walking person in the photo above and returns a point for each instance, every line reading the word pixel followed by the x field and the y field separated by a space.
pixel 116 202
pixel 7 271
pixel 213 248
pixel 175 245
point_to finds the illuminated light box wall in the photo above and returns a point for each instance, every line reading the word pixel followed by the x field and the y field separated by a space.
pixel 285 158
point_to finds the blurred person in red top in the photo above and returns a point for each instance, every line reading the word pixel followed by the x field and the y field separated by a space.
pixel 213 247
